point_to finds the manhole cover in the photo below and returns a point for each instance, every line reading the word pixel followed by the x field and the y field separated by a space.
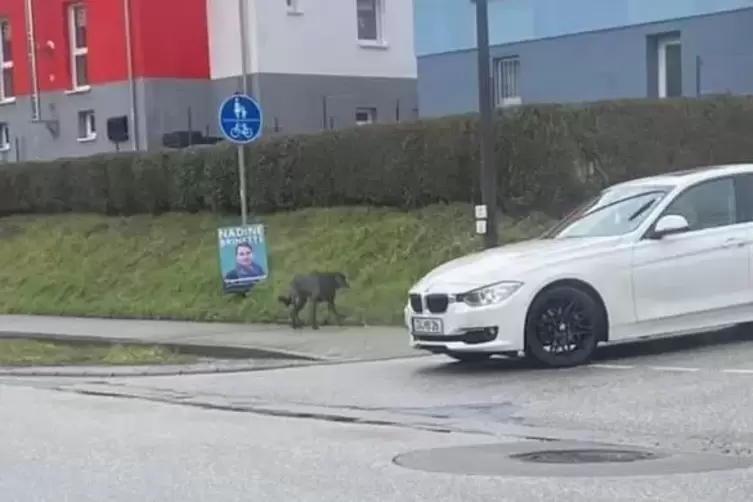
pixel 592 456
pixel 563 459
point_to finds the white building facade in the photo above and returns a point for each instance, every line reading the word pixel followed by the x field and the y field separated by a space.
pixel 316 64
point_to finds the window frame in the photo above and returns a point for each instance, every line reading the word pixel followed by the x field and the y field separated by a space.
pixel 499 82
pixel 6 64
pixel 4 137
pixel 77 52
pixel 370 111
pixel 293 7
pixel 378 23
pixel 662 44
pixel 87 119
pixel 648 234
pixel 743 199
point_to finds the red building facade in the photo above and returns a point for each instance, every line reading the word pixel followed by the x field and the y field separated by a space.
pixel 84 51
pixel 168 39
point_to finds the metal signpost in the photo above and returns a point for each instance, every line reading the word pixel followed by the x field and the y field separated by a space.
pixel 242 250
pixel 241 121
pixel 488 169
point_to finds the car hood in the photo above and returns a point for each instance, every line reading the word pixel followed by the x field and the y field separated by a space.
pixel 508 262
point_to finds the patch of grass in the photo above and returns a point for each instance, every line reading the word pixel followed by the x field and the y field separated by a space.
pixel 21 352
pixel 166 267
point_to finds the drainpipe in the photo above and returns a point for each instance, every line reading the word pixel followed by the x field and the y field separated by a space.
pixel 243 19
pixel 248 85
pixel 131 80
pixel 32 42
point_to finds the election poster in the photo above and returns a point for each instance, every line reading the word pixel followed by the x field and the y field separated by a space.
pixel 243 257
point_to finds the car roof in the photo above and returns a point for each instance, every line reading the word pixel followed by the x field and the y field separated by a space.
pixel 688 176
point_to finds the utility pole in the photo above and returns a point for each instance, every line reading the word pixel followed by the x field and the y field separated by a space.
pixel 243 15
pixel 486 132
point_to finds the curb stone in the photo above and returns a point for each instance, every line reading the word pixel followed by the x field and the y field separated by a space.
pixel 214 351
pixel 176 370
pixel 152 370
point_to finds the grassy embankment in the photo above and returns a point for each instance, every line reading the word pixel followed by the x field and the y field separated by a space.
pixel 15 352
pixel 166 267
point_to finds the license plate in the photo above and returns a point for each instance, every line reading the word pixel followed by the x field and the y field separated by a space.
pixel 427 326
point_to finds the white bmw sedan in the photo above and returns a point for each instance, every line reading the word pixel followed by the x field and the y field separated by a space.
pixel 654 256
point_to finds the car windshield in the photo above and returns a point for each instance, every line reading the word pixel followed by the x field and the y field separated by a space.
pixel 615 211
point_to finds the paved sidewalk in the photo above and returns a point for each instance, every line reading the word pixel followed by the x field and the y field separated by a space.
pixel 330 343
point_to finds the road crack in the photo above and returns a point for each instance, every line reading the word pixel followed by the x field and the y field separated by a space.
pixel 184 399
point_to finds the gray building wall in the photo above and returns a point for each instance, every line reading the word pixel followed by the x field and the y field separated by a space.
pixel 291 104
pixel 295 104
pixel 306 103
pixel 57 136
pixel 608 64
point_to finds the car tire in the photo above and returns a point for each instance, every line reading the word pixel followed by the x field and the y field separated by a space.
pixel 469 357
pixel 564 316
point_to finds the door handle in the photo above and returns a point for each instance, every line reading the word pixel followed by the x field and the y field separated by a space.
pixel 734 242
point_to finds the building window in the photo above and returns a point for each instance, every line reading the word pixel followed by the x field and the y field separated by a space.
pixel 4 137
pixel 506 81
pixel 77 37
pixel 365 116
pixel 87 126
pixel 369 20
pixel 7 91
pixel 669 67
pixel 294 6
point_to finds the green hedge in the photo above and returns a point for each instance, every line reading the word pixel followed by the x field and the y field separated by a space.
pixel 548 157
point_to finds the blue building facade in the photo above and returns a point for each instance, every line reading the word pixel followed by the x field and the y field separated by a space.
pixel 583 50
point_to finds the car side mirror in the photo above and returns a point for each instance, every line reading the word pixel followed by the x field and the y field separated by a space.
pixel 670 224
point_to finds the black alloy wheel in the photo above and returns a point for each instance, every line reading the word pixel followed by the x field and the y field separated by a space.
pixel 563 327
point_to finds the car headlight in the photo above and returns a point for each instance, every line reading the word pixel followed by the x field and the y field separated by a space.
pixel 491 294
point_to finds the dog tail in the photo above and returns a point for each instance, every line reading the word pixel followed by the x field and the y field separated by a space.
pixel 285 300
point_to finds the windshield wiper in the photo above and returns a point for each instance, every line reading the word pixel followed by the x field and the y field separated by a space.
pixel 641 210
pixel 620 201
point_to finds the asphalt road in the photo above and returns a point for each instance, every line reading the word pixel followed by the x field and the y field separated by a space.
pixel 331 432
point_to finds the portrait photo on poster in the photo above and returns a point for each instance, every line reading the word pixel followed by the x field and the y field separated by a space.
pixel 243 256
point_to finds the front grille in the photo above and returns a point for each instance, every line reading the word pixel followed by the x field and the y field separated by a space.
pixel 415 304
pixel 437 304
pixel 471 337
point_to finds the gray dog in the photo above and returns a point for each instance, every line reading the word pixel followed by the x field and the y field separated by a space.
pixel 319 287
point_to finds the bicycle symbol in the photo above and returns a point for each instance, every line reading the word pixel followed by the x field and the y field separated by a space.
pixel 241 130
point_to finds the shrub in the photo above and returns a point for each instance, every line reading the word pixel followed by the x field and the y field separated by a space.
pixel 548 157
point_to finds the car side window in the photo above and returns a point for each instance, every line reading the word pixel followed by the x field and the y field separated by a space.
pixel 745 198
pixel 707 205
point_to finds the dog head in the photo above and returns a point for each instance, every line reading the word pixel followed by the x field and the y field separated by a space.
pixel 341 281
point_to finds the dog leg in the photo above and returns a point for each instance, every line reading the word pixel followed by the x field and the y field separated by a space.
pixel 314 324
pixel 333 310
pixel 297 307
pixel 328 319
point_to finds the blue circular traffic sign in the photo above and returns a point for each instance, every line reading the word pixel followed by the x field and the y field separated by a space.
pixel 240 119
